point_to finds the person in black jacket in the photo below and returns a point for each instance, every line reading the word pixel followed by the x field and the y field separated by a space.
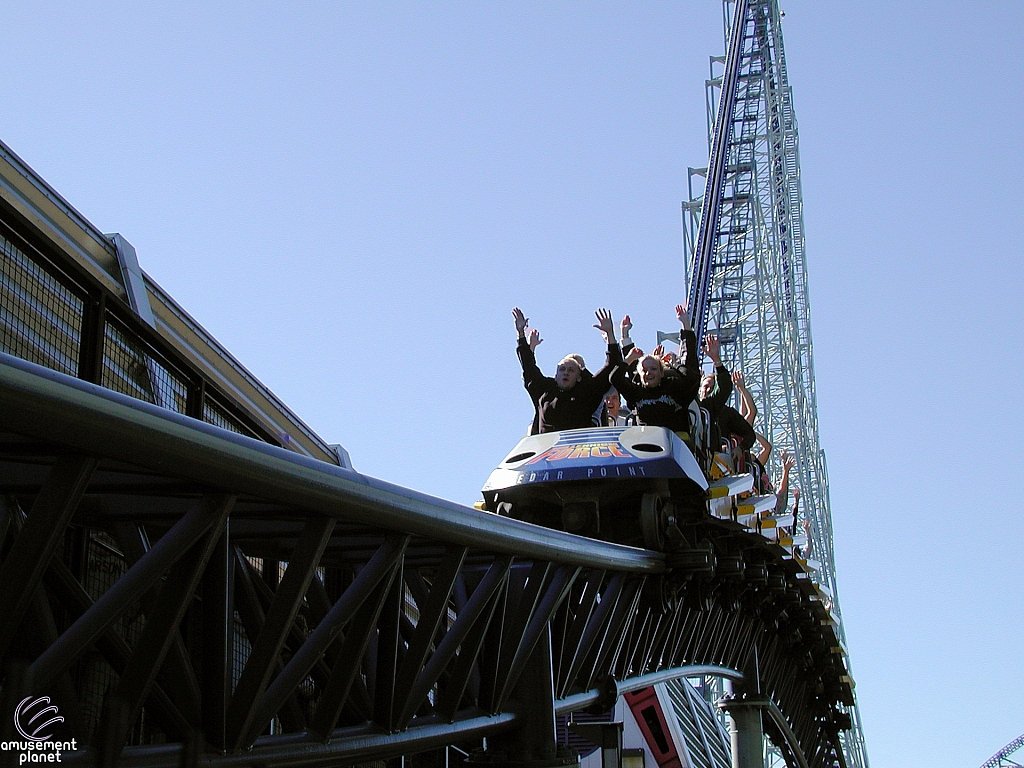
pixel 663 395
pixel 567 400
pixel 732 424
pixel 715 389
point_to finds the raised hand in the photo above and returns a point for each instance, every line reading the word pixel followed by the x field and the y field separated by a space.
pixel 737 380
pixel 788 461
pixel 633 355
pixel 535 339
pixel 711 348
pixel 521 320
pixel 625 327
pixel 659 350
pixel 605 325
pixel 683 316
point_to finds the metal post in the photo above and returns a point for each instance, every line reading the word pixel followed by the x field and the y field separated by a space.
pixel 743 702
pixel 607 736
pixel 745 732
pixel 534 743
pixel 536 698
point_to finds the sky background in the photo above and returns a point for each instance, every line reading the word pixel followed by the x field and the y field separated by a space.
pixel 351 197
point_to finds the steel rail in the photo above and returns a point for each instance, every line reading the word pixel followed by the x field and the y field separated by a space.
pixel 346 746
pixel 711 211
pixel 41 403
pixel 779 720
pixel 997 759
pixel 615 688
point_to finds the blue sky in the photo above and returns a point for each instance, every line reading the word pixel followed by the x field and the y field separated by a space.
pixel 351 197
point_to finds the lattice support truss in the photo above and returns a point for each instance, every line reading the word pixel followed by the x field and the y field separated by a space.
pixel 755 267
pixel 1002 757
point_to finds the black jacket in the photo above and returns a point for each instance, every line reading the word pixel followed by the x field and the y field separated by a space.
pixel 730 422
pixel 667 404
pixel 715 402
pixel 557 409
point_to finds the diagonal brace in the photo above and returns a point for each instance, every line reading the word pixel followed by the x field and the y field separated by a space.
pixel 380 566
pixel 267 648
pixel 51 512
pixel 159 634
pixel 142 576
pixel 454 638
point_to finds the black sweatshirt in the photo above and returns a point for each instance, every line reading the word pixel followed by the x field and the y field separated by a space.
pixel 557 409
pixel 667 404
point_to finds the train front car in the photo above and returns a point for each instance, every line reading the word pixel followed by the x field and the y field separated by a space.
pixel 622 484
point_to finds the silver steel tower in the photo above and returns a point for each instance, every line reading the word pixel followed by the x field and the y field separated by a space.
pixel 747 279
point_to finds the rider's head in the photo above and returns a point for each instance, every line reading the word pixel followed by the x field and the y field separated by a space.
pixel 652 370
pixel 612 402
pixel 707 386
pixel 569 372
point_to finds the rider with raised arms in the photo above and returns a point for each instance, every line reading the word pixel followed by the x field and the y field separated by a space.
pixel 663 395
pixel 567 400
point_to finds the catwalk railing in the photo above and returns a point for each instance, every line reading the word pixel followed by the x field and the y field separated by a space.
pixel 70 300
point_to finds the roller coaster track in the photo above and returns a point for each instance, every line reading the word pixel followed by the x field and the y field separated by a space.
pixel 193 577
pixel 1002 757
pixel 400 623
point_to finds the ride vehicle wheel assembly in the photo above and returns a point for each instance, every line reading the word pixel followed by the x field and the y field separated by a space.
pixel 653 516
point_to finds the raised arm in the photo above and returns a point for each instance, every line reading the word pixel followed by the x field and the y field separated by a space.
pixel 534 340
pixel 521 321
pixel 605 325
pixel 766 448
pixel 688 364
pixel 683 316
pixel 712 348
pixel 624 328
pixel 620 379
pixel 614 359
pixel 809 546
pixel 533 379
pixel 782 494
pixel 748 409
pixel 724 380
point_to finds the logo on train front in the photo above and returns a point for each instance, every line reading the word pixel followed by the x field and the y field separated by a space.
pixel 35 720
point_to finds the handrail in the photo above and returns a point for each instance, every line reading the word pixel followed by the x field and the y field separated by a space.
pixel 39 402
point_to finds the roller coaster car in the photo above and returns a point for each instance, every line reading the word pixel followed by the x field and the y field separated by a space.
pixel 624 484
